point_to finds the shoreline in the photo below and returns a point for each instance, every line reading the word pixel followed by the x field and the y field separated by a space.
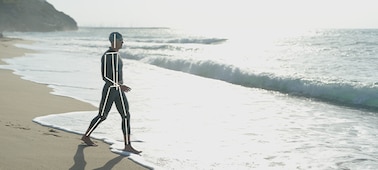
pixel 28 145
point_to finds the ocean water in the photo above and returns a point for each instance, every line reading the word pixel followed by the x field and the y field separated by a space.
pixel 237 99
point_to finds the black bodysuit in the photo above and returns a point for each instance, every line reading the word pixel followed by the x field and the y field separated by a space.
pixel 111 69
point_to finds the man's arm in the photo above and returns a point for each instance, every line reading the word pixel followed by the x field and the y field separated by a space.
pixel 125 88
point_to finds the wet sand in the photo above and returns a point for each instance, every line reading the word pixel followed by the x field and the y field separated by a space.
pixel 27 145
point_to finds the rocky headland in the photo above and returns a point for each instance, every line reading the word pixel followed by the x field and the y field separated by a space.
pixel 33 16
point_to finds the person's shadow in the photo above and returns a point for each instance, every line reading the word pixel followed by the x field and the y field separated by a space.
pixel 80 163
pixel 79 159
pixel 110 164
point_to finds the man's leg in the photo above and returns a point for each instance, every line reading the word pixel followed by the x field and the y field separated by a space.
pixel 105 106
pixel 123 109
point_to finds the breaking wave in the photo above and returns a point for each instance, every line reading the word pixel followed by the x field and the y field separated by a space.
pixel 186 41
pixel 340 93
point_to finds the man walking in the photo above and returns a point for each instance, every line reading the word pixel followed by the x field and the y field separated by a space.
pixel 113 92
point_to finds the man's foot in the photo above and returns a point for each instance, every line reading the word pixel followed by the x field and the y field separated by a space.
pixel 129 148
pixel 88 141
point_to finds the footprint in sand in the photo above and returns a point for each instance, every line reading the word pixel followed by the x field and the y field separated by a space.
pixel 16 126
pixel 52 132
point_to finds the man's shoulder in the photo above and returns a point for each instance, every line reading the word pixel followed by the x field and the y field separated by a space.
pixel 110 52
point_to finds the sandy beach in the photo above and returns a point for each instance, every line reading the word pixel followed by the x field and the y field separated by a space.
pixel 27 145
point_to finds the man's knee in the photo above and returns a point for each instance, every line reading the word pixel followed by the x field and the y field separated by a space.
pixel 126 115
pixel 102 117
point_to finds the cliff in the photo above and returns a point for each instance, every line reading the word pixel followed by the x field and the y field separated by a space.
pixel 33 16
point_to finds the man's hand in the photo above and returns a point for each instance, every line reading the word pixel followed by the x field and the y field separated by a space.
pixel 125 88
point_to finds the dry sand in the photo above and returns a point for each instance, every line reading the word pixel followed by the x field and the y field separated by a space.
pixel 27 145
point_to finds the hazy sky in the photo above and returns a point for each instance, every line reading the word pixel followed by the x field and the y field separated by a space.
pixel 224 13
